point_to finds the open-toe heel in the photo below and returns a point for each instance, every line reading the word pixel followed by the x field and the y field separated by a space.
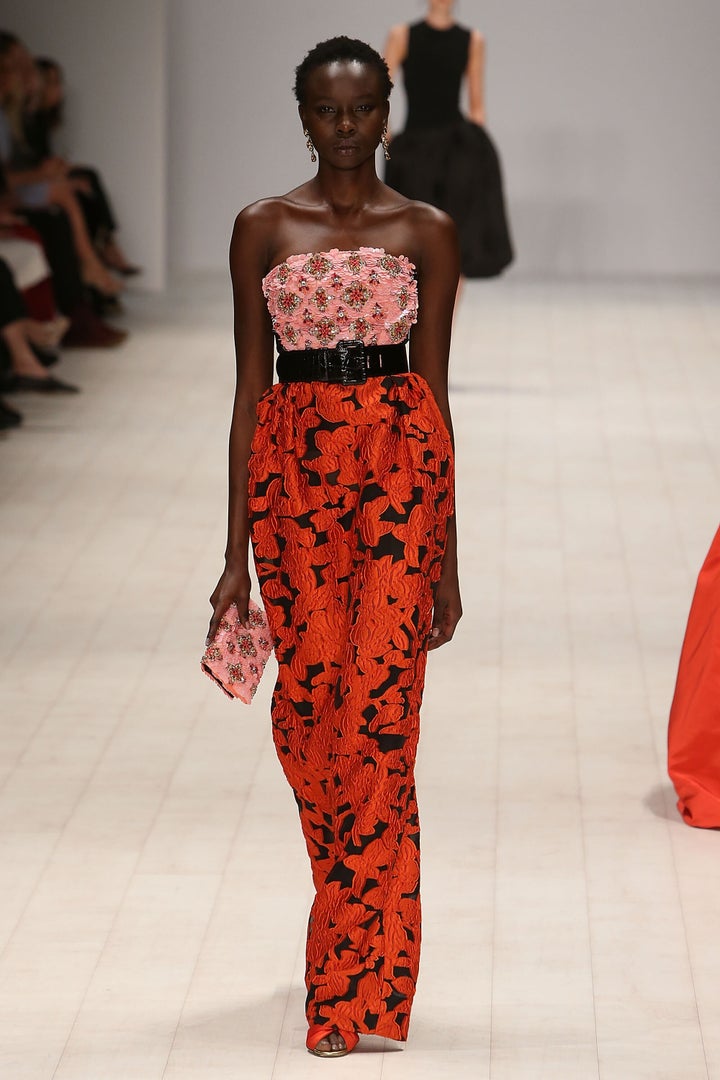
pixel 318 1032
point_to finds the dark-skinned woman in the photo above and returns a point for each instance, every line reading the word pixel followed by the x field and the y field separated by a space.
pixel 341 475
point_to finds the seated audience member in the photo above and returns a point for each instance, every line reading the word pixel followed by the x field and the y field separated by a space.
pixel 28 266
pixel 44 185
pixel 21 249
pixel 41 125
pixel 52 229
pixel 21 369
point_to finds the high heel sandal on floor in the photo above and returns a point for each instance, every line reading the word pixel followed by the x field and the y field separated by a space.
pixel 318 1032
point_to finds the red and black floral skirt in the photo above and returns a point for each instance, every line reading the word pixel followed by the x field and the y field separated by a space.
pixel 350 492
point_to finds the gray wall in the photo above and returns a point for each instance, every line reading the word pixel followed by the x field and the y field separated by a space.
pixel 114 56
pixel 604 111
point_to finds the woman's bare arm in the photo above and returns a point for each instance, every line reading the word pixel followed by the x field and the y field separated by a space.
pixel 475 74
pixel 438 274
pixel 438 264
pixel 396 48
pixel 254 355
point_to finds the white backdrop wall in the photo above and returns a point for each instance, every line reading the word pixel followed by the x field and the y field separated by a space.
pixel 604 112
pixel 114 57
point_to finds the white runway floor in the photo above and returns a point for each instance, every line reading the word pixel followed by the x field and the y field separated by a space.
pixel 153 880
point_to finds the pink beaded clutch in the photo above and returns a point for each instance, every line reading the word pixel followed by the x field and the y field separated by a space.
pixel 236 658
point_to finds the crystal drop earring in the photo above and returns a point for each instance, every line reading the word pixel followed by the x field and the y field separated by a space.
pixel 309 144
pixel 385 143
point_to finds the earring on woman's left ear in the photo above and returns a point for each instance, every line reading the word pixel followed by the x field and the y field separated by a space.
pixel 310 145
pixel 385 141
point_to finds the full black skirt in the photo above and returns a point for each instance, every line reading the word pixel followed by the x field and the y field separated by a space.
pixel 457 169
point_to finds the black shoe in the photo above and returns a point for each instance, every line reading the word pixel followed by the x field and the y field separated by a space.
pixel 102 304
pixel 47 357
pixel 9 417
pixel 17 384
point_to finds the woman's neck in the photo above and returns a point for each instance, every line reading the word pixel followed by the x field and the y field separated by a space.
pixel 440 18
pixel 348 193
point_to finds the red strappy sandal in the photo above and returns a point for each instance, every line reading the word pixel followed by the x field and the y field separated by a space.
pixel 318 1032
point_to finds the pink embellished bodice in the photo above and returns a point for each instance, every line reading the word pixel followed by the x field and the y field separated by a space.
pixel 320 298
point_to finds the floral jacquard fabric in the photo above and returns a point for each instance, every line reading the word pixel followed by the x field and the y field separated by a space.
pixel 350 492
pixel 316 300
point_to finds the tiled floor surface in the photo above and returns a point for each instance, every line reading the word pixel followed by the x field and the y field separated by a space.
pixel 153 882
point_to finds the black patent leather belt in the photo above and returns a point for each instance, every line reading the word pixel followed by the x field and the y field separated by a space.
pixel 348 363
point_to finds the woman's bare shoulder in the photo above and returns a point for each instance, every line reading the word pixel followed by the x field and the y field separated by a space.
pixel 268 212
pixel 259 224
pixel 431 236
pixel 428 224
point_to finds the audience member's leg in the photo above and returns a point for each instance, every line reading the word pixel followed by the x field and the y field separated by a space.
pixel 27 373
pixel 31 273
pixel 92 270
pixel 86 330
pixel 54 229
pixel 101 220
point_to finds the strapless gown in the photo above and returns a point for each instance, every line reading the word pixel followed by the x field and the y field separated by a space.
pixel 694 729
pixel 443 159
pixel 349 494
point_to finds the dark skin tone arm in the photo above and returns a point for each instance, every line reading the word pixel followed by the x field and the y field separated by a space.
pixel 254 352
pixel 345 206
pixel 438 271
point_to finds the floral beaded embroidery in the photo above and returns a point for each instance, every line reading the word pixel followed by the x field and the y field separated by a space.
pixel 325 330
pixel 317 265
pixel 318 298
pixel 235 672
pixel 391 264
pixel 287 302
pixel 355 262
pixel 321 298
pixel 357 294
pixel 399 330
pixel 245 645
pixel 359 328
pixel 237 655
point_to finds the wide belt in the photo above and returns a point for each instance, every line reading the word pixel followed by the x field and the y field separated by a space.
pixel 349 363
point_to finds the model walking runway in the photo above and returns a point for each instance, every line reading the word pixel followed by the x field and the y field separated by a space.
pixel 350 491
pixel 342 477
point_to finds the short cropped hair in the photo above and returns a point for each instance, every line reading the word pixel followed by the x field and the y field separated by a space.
pixel 341 48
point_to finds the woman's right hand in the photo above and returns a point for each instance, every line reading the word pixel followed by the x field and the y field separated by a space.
pixel 232 588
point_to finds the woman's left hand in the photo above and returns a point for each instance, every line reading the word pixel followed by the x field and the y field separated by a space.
pixel 447 610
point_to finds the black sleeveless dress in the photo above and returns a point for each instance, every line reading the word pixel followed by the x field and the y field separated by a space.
pixel 443 159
